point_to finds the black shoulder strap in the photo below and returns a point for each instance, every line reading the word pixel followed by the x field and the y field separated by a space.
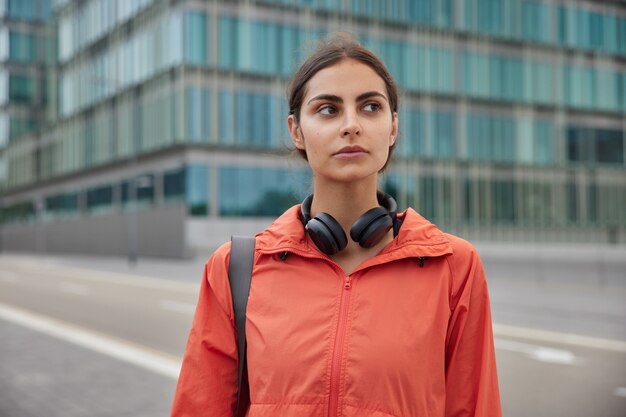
pixel 240 277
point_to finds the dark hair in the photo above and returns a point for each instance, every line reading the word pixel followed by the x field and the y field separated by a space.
pixel 329 52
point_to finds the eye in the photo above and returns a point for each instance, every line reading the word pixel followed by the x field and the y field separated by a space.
pixel 327 110
pixel 372 107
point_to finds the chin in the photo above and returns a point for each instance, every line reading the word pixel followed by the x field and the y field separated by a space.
pixel 350 176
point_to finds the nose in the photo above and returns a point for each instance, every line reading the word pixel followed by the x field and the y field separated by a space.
pixel 351 125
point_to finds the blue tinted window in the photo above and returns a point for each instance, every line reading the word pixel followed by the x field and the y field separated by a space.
pixel 22 46
pixel 592 146
pixel 563 25
pixel 491 138
pixel 609 146
pixel 621 35
pixel 198 114
pixel 226 117
pixel 145 188
pixel 21 88
pixel 504 200
pixel 99 197
pixel 62 203
pixel 543 146
pixel 195 41
pixel 412 141
pixel 227 42
pixel 536 21
pixel 197 189
pixel 174 184
pixel 444 135
pixel 596 30
pixel 251 191
pixel 25 9
pixel 572 202
pixel 17 212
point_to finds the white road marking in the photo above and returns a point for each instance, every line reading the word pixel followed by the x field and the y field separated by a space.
pixel 538 353
pixel 144 357
pixel 73 288
pixel 177 306
pixel 620 392
pixel 6 276
pixel 78 273
pixel 502 330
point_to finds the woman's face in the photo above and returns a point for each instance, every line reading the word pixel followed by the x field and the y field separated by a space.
pixel 346 124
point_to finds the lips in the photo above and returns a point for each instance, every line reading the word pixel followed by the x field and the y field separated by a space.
pixel 347 150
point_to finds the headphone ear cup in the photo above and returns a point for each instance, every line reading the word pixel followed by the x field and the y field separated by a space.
pixel 370 228
pixel 327 234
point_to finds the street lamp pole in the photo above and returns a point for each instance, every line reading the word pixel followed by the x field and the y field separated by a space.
pixel 133 232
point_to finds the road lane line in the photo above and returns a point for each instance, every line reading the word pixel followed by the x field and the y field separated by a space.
pixel 141 356
pixel 73 288
pixel 538 353
pixel 78 273
pixel 177 306
pixel 502 330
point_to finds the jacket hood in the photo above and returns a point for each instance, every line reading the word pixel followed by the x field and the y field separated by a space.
pixel 417 237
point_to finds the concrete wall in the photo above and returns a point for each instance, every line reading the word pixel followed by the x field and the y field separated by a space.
pixel 206 235
pixel 159 232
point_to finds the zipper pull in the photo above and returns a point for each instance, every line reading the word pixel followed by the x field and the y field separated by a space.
pixel 347 284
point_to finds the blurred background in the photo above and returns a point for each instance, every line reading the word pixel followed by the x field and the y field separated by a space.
pixel 137 135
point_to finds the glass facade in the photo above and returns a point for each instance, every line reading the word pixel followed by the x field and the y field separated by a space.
pixel 253 191
pixel 501 101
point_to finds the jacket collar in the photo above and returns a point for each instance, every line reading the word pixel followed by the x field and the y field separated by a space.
pixel 417 238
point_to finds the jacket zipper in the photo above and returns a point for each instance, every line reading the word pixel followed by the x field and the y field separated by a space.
pixel 335 370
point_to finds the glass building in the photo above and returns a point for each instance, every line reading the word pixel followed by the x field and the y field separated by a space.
pixel 159 126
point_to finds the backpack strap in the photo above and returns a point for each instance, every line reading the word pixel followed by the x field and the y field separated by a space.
pixel 240 277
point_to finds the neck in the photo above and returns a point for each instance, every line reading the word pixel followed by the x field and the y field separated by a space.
pixel 345 201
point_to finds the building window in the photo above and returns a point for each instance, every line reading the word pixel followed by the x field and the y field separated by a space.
pixel 543 142
pixel 198 114
pixel 412 140
pixel 21 88
pixel 99 197
pixel 195 38
pixel 174 185
pixel 17 213
pixel 197 189
pixel 593 146
pixel 20 126
pixel 609 146
pixel 491 138
pixel 22 46
pixel 62 204
pixel 444 135
pixel 251 191
pixel 144 190
pixel 504 202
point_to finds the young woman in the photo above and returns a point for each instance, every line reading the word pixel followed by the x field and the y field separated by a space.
pixel 354 309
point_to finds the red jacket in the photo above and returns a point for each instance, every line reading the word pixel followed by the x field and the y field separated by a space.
pixel 392 339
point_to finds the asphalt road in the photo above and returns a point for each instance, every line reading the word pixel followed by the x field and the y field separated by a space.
pixel 85 338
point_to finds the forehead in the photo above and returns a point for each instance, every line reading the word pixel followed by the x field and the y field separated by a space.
pixel 345 78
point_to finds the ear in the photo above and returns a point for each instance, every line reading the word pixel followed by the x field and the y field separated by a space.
pixel 295 132
pixel 394 129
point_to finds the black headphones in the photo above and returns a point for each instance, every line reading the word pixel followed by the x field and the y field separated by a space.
pixel 368 230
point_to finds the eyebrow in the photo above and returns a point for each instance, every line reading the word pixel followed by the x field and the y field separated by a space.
pixel 336 99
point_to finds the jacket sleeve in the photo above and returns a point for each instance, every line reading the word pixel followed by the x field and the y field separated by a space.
pixel 471 377
pixel 207 385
